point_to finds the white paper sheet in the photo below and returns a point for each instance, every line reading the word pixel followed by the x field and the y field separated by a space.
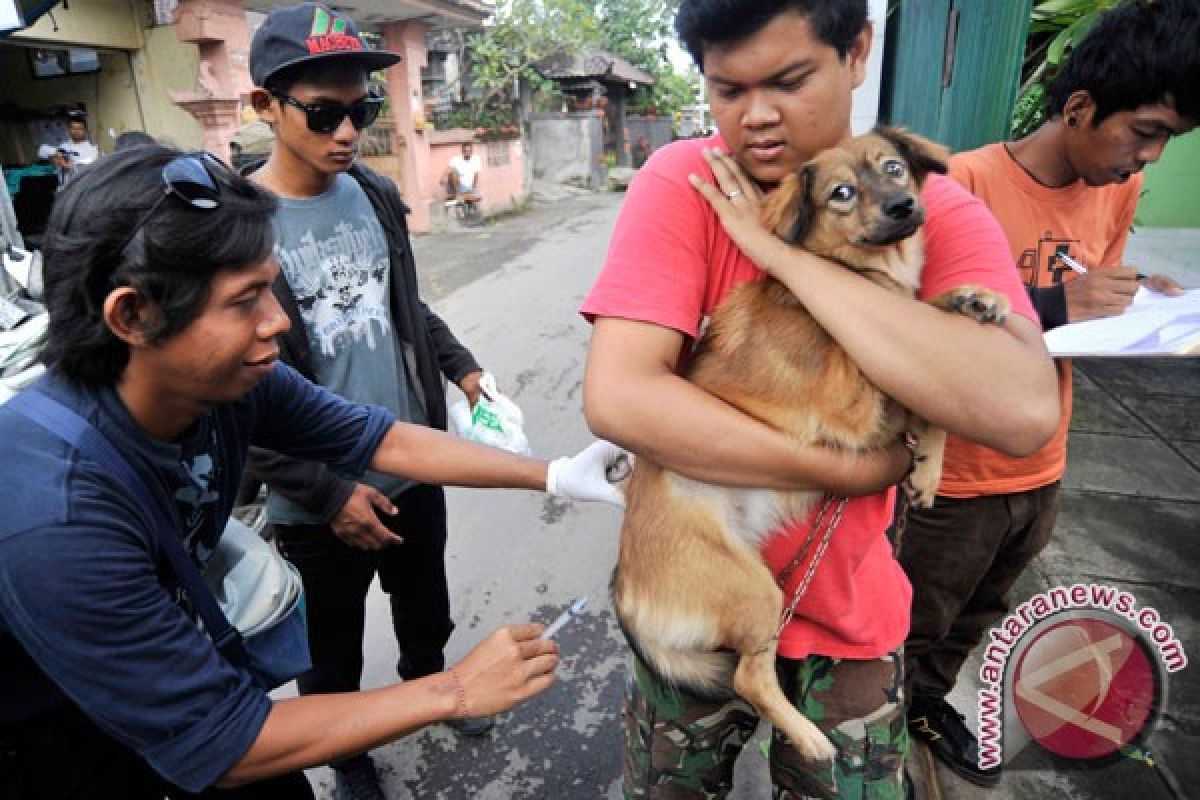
pixel 1153 325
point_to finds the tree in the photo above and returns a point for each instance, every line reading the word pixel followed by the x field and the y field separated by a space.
pixel 523 32
pixel 638 31
pixel 519 34
pixel 1056 26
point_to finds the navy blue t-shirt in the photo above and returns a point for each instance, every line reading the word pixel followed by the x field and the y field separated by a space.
pixel 89 611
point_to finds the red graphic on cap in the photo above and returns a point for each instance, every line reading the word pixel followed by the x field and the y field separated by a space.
pixel 1084 688
pixel 332 43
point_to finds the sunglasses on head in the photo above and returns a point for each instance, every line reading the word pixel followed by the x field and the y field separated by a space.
pixel 189 177
pixel 327 116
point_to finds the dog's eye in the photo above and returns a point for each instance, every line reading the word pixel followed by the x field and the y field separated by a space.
pixel 893 168
pixel 843 193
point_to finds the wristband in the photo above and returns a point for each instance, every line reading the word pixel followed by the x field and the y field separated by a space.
pixel 460 695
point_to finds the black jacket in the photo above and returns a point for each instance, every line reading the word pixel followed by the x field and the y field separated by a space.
pixel 430 349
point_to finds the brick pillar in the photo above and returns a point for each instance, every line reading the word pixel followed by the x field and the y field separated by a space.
pixel 222 37
pixel 407 104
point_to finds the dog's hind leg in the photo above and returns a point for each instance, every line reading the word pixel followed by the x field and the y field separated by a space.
pixel 757 682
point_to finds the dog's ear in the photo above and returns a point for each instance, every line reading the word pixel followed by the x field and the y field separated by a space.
pixel 923 156
pixel 789 210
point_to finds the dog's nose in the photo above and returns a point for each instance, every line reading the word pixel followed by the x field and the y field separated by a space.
pixel 899 206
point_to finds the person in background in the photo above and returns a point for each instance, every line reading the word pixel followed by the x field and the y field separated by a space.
pixel 462 177
pixel 77 149
pixel 1070 189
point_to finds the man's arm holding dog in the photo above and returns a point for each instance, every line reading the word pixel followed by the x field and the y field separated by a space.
pixel 633 397
pixel 994 384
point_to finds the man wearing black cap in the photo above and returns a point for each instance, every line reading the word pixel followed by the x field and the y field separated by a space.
pixel 348 282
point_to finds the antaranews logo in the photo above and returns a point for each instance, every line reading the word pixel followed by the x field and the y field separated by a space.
pixel 1081 670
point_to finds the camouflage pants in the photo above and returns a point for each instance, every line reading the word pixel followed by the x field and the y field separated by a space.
pixel 680 747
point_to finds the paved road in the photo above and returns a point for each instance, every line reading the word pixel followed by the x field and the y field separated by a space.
pixel 510 290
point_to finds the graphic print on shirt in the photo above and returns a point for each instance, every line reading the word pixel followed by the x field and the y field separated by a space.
pixel 196 499
pixel 1040 266
pixel 340 284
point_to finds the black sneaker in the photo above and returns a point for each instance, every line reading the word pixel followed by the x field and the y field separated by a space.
pixel 355 779
pixel 945 731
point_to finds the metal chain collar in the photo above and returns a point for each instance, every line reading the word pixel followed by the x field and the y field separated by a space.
pixel 830 526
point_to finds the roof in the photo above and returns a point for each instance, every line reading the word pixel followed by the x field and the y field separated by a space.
pixel 435 13
pixel 599 64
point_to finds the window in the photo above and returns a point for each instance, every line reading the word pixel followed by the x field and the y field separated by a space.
pixel 46 62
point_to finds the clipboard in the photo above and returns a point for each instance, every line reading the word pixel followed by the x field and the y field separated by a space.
pixel 1154 325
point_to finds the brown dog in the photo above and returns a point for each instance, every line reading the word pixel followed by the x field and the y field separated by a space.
pixel 690 584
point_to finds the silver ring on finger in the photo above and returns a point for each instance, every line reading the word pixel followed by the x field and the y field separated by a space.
pixel 735 194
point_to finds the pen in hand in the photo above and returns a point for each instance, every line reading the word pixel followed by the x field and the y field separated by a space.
pixel 1081 269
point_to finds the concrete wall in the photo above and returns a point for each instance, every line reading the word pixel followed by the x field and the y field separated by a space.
pixel 569 148
pixel 865 109
pixel 165 65
pixel 645 135
pixel 502 182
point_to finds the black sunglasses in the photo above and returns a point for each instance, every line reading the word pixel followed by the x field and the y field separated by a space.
pixel 190 177
pixel 326 117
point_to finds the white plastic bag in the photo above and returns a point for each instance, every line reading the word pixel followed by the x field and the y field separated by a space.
pixel 495 420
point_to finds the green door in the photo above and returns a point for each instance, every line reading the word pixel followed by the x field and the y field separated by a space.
pixel 952 68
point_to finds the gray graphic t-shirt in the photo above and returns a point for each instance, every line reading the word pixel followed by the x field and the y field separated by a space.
pixel 334 255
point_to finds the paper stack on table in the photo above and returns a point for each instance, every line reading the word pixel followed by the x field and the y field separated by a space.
pixel 1153 325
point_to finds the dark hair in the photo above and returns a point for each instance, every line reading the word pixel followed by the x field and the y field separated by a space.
pixel 171 261
pixel 703 23
pixel 1138 53
pixel 332 71
pixel 130 139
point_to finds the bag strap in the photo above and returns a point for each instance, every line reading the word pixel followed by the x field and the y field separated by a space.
pixel 40 408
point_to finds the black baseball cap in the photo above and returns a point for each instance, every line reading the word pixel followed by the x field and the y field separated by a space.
pixel 309 32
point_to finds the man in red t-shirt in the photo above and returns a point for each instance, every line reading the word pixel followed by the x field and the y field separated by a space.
pixel 780 76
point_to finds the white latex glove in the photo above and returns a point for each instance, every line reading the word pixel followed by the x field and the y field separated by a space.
pixel 585 476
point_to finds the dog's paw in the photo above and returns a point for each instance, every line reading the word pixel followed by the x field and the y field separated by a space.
pixel 805 736
pixel 815 747
pixel 977 302
pixel 919 496
pixel 920 487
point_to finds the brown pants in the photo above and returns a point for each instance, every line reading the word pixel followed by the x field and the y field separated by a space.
pixel 963 556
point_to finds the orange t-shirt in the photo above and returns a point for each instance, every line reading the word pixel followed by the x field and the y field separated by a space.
pixel 1091 224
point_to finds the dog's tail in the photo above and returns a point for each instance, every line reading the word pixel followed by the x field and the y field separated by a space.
pixel 704 673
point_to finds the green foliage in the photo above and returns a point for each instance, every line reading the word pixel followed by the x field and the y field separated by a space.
pixel 1055 27
pixel 522 32
pixel 638 31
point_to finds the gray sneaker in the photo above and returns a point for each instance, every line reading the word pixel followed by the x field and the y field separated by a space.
pixel 355 779
pixel 472 726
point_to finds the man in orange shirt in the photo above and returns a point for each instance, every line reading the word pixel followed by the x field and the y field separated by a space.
pixel 1071 188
